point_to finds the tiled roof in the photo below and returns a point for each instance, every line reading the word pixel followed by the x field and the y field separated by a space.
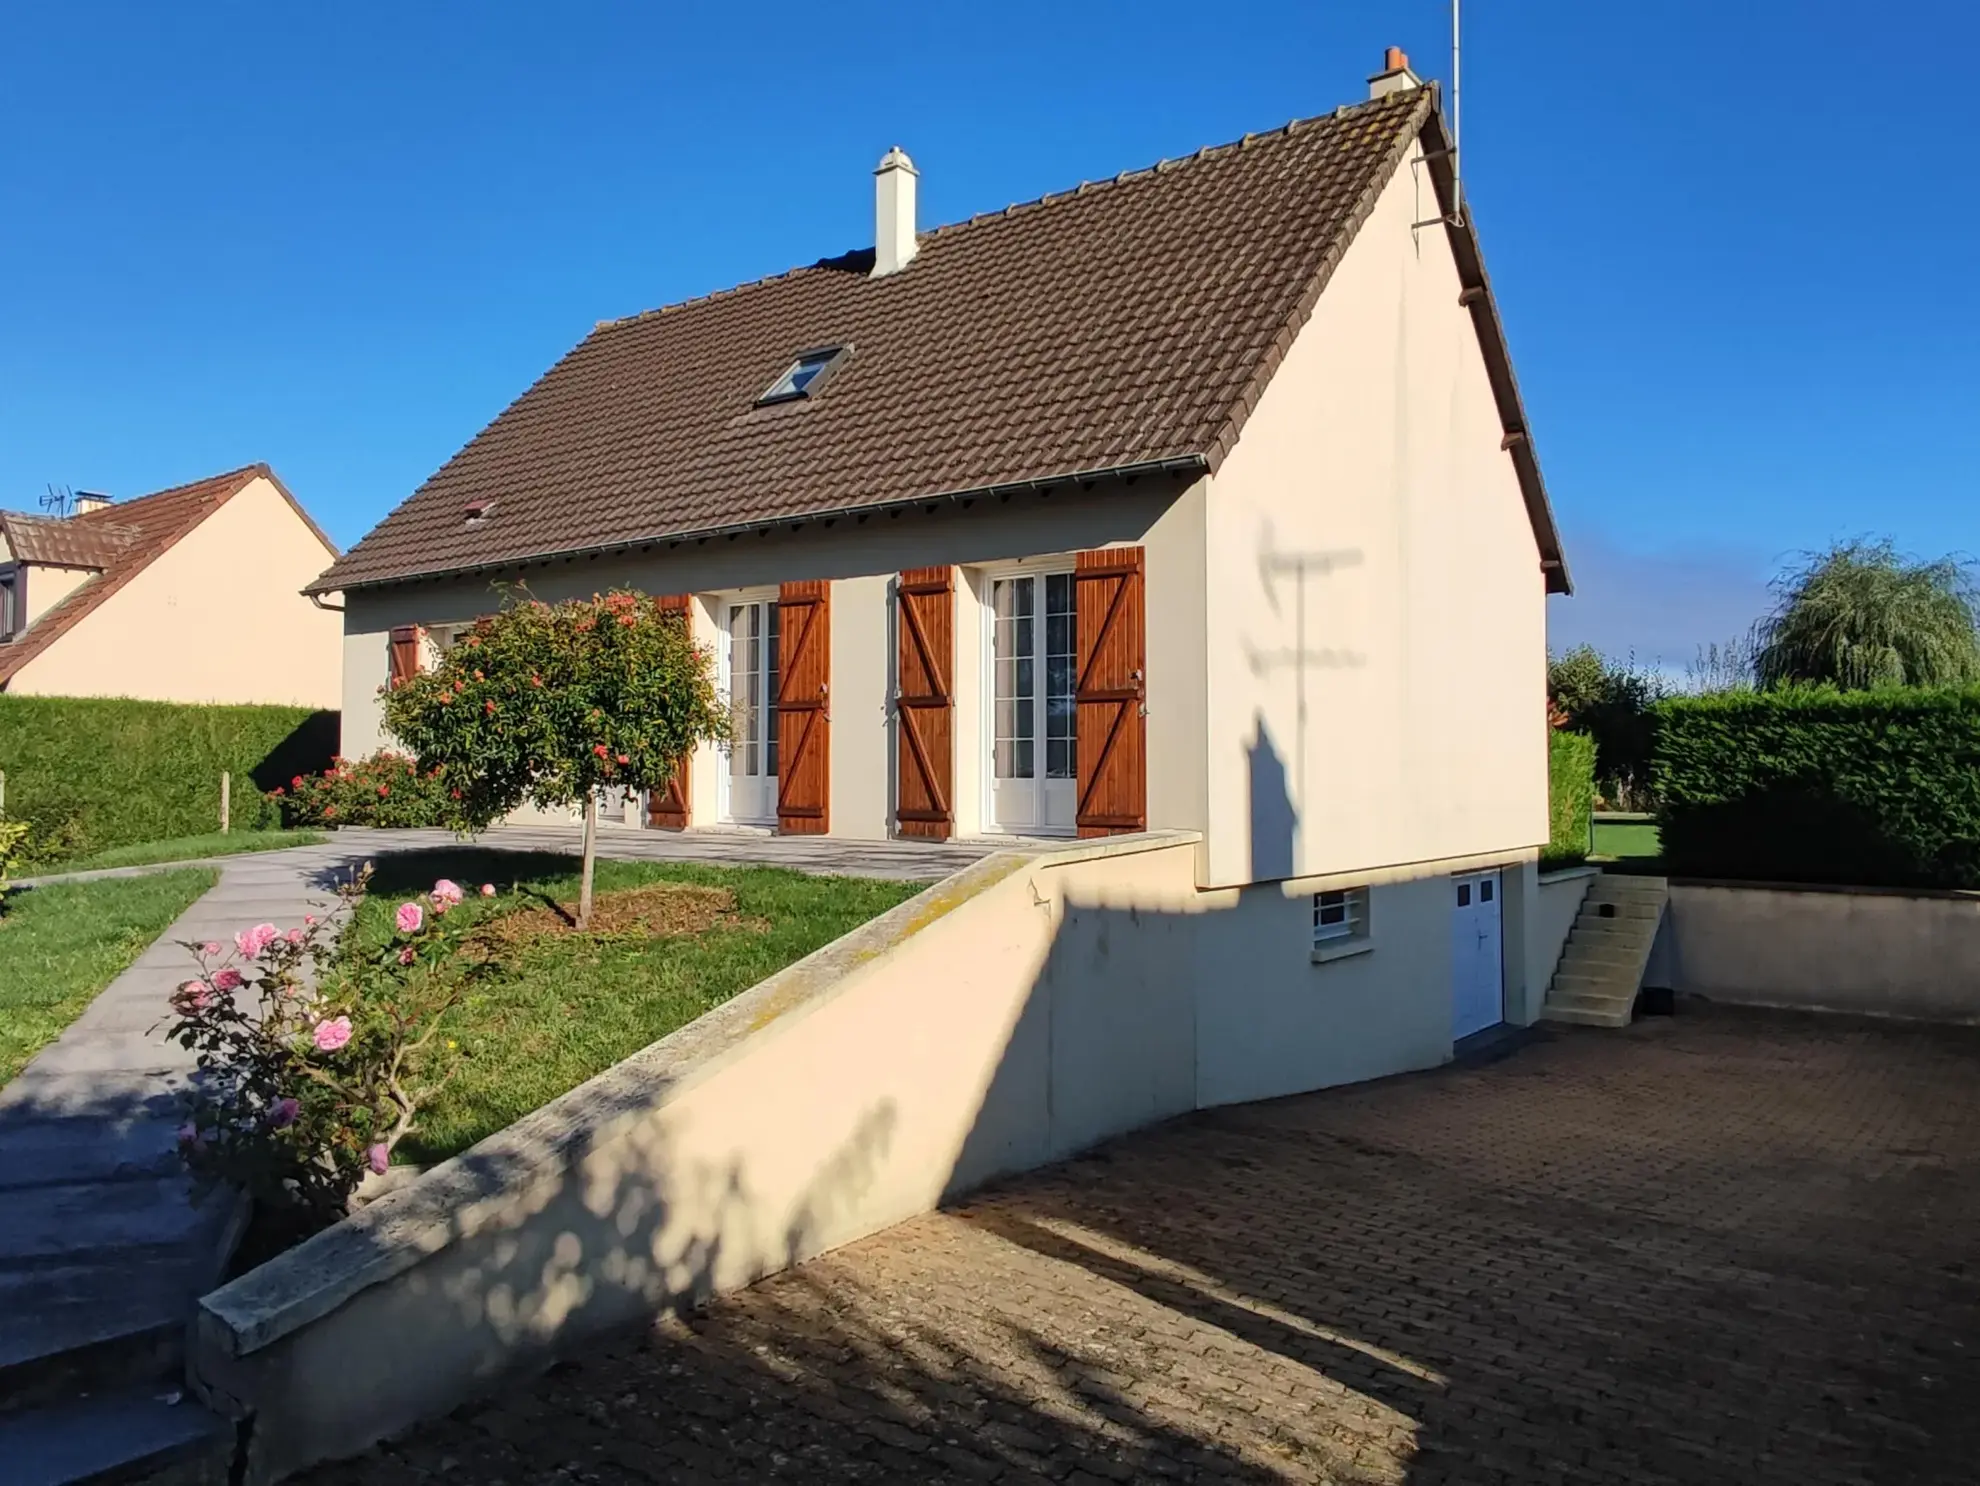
pixel 127 538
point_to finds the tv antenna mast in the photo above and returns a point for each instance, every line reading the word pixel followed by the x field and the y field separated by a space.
pixel 57 499
pixel 1457 159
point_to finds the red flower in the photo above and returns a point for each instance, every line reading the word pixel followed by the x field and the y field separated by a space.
pixel 488 707
pixel 456 794
pixel 328 811
pixel 599 749
pixel 535 680
pixel 627 620
pixel 623 759
pixel 384 790
pixel 277 790
pixel 296 783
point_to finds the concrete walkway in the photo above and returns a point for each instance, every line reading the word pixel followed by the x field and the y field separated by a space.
pixel 103 1255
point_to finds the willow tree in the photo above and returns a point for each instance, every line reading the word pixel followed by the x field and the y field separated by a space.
pixel 1860 615
pixel 553 704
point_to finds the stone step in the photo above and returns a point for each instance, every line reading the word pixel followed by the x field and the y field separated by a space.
pixel 1589 998
pixel 1595 985
pixel 1580 1017
pixel 1624 912
pixel 96 1221
pixel 116 1439
pixel 1610 892
pixel 76 1329
pixel 47 1152
pixel 1605 949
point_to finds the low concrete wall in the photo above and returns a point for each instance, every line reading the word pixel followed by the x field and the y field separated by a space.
pixel 1859 950
pixel 1560 897
pixel 1031 1005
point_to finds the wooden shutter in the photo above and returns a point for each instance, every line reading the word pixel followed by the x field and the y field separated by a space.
pixel 804 737
pixel 405 653
pixel 667 808
pixel 925 701
pixel 1112 722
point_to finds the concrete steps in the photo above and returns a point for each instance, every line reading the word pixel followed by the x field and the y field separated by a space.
pixel 1601 966
pixel 118 1438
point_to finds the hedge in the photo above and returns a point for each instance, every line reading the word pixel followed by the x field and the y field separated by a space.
pixel 1570 798
pixel 1863 788
pixel 88 773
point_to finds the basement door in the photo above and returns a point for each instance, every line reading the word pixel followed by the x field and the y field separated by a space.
pixel 1478 981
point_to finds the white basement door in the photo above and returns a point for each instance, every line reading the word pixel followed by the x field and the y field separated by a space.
pixel 1478 983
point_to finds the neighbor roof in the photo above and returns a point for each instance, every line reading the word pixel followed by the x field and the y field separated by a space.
pixel 119 541
pixel 1124 326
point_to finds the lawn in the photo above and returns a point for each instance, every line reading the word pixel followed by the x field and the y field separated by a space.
pixel 1627 839
pixel 562 1006
pixel 185 849
pixel 62 944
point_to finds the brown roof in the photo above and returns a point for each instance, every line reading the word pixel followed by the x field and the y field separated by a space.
pixel 121 541
pixel 1121 326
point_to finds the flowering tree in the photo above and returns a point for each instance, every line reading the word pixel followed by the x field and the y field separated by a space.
pixel 307 1088
pixel 550 704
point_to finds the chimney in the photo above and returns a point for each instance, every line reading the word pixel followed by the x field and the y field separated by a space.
pixel 89 500
pixel 1394 76
pixel 893 213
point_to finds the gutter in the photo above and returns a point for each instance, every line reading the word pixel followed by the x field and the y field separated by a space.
pixel 1175 464
pixel 315 596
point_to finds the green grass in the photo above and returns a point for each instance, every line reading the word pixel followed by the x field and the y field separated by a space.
pixel 60 945
pixel 569 1006
pixel 187 849
pixel 1627 839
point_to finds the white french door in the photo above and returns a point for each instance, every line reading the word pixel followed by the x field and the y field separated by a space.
pixel 749 666
pixel 1478 982
pixel 1033 717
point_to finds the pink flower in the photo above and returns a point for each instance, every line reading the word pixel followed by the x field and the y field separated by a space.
pixel 295 936
pixel 282 1113
pixel 407 955
pixel 488 890
pixel 331 1035
pixel 309 918
pixel 193 996
pixel 409 918
pixel 251 942
pixel 210 950
pixel 380 1156
pixel 189 1135
pixel 228 980
pixel 447 891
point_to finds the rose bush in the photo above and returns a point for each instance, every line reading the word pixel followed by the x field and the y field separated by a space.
pixel 316 1054
pixel 386 789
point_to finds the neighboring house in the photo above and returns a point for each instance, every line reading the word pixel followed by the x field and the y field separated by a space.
pixel 1200 498
pixel 192 594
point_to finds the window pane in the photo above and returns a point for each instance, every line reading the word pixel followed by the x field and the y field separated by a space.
pixel 1485 891
pixel 773 622
pixel 1464 895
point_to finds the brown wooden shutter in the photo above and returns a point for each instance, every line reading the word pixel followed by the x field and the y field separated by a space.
pixel 1113 661
pixel 405 653
pixel 925 702
pixel 804 722
pixel 667 808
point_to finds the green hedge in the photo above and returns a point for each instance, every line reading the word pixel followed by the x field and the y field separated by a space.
pixel 1869 788
pixel 89 773
pixel 1570 798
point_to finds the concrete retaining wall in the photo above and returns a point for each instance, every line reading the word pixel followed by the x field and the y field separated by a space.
pixel 1872 951
pixel 1029 1006
pixel 1560 898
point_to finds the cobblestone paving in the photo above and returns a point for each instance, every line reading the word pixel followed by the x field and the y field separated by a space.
pixel 1727 1247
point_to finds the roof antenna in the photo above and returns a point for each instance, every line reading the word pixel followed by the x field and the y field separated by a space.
pixel 57 499
pixel 1457 160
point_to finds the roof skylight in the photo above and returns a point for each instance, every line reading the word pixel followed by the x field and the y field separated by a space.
pixel 804 375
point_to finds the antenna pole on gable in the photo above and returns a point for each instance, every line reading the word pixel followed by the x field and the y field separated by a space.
pixel 1457 159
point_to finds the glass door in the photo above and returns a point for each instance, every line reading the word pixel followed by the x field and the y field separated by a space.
pixel 751 681
pixel 1033 715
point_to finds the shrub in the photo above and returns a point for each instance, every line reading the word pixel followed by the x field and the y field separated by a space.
pixel 89 773
pixel 387 789
pixel 1570 798
pixel 305 1092
pixel 13 842
pixel 1874 788
pixel 1613 702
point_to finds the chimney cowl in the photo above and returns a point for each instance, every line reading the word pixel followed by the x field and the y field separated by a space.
pixel 894 243
pixel 1395 75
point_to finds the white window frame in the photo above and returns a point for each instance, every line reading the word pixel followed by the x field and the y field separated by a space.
pixel 1340 923
pixel 987 575
pixel 771 594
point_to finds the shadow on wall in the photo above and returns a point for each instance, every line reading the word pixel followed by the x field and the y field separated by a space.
pixel 306 750
pixel 1274 822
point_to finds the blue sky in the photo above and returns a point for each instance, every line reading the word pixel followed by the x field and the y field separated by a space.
pixel 1732 242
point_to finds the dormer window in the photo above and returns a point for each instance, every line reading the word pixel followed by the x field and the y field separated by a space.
pixel 804 375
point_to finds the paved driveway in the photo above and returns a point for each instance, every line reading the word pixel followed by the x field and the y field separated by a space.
pixel 1730 1247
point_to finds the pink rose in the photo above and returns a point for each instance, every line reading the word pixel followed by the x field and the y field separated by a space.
pixel 380 1156
pixel 192 996
pixel 295 936
pixel 229 979
pixel 333 1034
pixel 251 942
pixel 407 955
pixel 309 918
pixel 488 890
pixel 282 1113
pixel 447 892
pixel 210 950
pixel 409 918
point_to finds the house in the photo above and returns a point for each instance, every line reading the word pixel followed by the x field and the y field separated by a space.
pixel 192 594
pixel 1197 498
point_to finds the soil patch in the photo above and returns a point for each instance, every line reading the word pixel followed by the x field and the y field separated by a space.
pixel 660 910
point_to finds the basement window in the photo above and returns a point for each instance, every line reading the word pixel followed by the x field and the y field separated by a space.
pixel 806 374
pixel 1340 923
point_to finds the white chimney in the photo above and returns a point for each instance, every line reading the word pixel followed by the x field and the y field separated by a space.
pixel 87 501
pixel 893 213
pixel 1394 76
